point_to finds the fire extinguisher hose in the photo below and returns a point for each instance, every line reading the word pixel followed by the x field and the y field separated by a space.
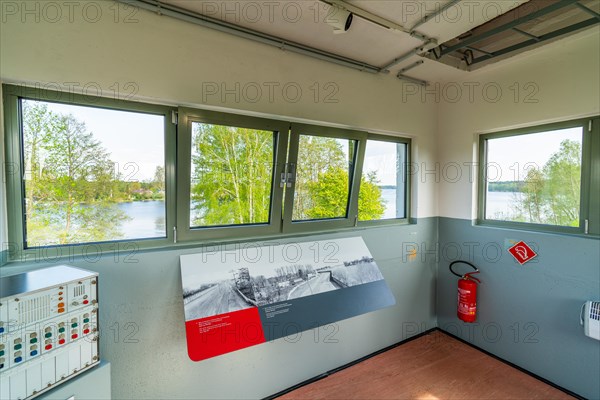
pixel 468 274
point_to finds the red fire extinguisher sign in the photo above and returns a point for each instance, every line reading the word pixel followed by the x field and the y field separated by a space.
pixel 467 293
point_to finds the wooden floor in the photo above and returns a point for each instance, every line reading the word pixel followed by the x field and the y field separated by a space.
pixel 434 366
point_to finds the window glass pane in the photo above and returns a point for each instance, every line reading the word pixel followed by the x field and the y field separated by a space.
pixel 231 175
pixel 324 174
pixel 92 174
pixel 383 184
pixel 535 177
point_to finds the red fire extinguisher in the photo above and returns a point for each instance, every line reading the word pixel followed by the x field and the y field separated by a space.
pixel 467 293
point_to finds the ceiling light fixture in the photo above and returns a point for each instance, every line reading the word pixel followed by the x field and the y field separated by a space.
pixel 339 18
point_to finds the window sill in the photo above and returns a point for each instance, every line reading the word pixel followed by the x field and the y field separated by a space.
pixel 125 251
pixel 543 230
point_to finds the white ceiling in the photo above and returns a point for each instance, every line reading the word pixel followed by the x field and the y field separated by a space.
pixel 304 22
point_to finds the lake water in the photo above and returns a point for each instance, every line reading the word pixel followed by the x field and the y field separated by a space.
pixel 499 205
pixel 389 195
pixel 148 217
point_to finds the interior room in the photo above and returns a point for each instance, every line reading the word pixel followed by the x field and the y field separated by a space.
pixel 321 199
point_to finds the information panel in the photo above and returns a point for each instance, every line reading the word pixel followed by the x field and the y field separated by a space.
pixel 247 295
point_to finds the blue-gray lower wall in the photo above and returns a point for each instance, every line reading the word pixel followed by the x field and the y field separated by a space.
pixel 528 315
pixel 3 257
pixel 93 384
pixel 143 335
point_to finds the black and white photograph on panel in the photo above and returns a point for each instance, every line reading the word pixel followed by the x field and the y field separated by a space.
pixel 248 275
pixel 209 291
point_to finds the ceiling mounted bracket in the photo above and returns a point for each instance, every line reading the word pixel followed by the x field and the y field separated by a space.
pixel 430 44
pixel 401 75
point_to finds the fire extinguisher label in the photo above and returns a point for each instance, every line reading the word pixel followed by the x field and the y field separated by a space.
pixel 467 300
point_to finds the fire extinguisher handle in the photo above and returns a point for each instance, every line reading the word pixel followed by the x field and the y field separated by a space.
pixel 463 262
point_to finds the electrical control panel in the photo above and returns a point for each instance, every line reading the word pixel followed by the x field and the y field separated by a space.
pixel 48 329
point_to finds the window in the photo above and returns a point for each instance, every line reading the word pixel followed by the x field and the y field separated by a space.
pixel 383 194
pixel 324 175
pixel 89 173
pixel 323 178
pixel 229 169
pixel 541 177
pixel 93 170
pixel 232 175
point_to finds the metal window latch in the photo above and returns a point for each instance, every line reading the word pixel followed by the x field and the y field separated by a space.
pixel 586 226
pixel 291 175
pixel 283 177
pixel 288 176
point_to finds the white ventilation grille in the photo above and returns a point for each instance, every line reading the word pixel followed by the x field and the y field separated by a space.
pixel 35 309
pixel 78 290
pixel 595 310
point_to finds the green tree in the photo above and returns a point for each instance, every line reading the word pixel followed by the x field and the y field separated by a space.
pixel 552 195
pixel 563 184
pixel 371 205
pixel 70 189
pixel 532 201
pixel 158 183
pixel 329 196
pixel 232 174
pixel 319 158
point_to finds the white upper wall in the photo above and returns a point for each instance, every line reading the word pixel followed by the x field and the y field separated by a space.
pixel 168 61
pixel 557 82
pixel 3 167
pixel 164 60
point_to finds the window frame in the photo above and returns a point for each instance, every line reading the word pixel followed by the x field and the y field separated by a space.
pixel 186 117
pixel 590 176
pixel 177 156
pixel 351 219
pixel 12 96
pixel 407 181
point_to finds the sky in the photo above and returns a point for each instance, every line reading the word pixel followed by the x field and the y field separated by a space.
pixel 134 140
pixel 381 157
pixel 516 154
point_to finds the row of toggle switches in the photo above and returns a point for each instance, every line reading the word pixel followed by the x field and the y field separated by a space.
pixel 31 344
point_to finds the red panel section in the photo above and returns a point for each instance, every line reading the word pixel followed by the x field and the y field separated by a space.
pixel 220 334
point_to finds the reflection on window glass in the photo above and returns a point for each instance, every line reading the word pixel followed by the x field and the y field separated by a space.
pixel 231 175
pixel 323 177
pixel 535 178
pixel 383 185
pixel 92 175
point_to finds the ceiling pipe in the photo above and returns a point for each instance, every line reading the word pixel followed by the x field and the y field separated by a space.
pixel 376 19
pixel 222 26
